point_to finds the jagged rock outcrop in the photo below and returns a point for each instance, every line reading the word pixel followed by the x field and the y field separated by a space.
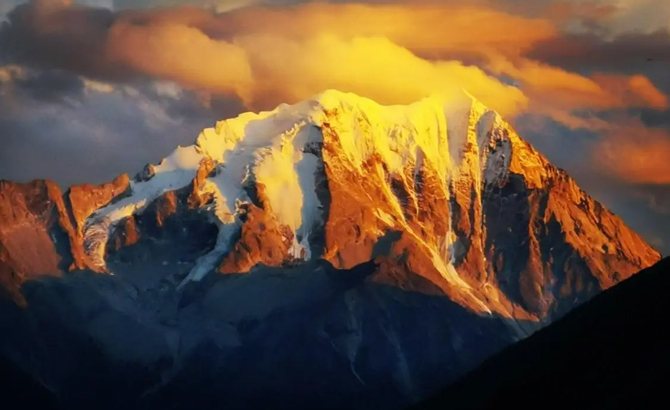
pixel 42 228
pixel 34 233
pixel 82 201
pixel 262 241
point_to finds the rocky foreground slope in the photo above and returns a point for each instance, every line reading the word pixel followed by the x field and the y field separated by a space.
pixel 476 240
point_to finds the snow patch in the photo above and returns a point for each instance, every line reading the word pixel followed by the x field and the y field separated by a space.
pixel 384 216
pixel 208 262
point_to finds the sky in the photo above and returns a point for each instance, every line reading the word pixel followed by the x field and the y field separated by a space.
pixel 91 89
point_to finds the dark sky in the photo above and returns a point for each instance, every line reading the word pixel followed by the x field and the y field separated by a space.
pixel 91 89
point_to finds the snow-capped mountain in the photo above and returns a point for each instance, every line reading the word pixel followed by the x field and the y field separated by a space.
pixel 463 219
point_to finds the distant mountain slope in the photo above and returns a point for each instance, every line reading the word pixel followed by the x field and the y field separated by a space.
pixel 303 337
pixel 610 353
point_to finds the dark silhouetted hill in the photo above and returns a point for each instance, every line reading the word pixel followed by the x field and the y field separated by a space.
pixel 18 390
pixel 610 353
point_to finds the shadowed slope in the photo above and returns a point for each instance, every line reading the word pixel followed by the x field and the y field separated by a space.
pixel 19 390
pixel 308 336
pixel 609 353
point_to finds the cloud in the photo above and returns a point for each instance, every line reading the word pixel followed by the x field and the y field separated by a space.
pixel 269 55
pixel 6 6
pixel 635 154
pixel 99 131
pixel 217 5
pixel 10 73
pixel 590 51
pixel 370 66
pixel 387 51
pixel 195 48
pixel 56 34
pixel 424 28
pixel 266 68
pixel 646 209
pixel 180 53
pixel 642 16
pixel 658 197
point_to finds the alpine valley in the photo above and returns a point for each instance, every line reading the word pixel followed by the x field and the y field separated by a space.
pixel 330 254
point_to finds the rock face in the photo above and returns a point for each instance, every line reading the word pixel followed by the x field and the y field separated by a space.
pixel 82 201
pixel 34 233
pixel 454 208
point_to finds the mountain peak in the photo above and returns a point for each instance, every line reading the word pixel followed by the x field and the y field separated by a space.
pixel 473 211
pixel 331 98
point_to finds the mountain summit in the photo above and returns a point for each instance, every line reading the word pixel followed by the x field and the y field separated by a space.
pixel 460 203
pixel 331 225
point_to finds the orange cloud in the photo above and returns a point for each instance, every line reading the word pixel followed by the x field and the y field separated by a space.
pixel 646 91
pixel 392 53
pixel 557 92
pixel 181 53
pixel 423 28
pixel 372 66
pixel 374 50
pixel 265 68
pixel 567 10
pixel 635 154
